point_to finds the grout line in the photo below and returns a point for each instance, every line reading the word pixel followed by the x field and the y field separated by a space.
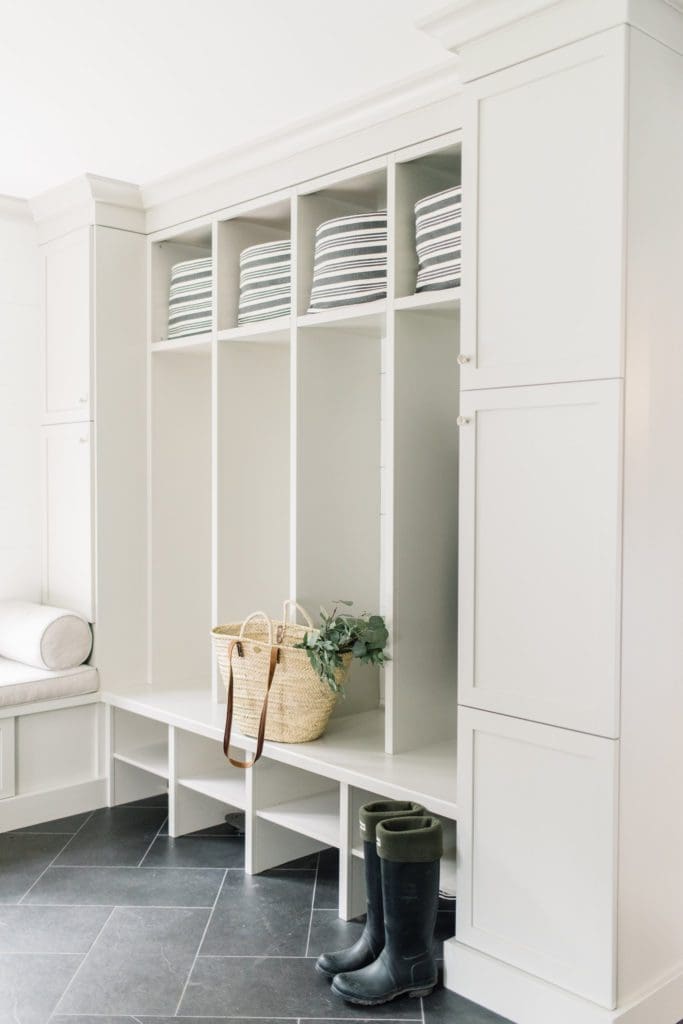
pixel 422 1009
pixel 85 957
pixel 312 904
pixel 110 906
pixel 61 851
pixel 201 941
pixel 153 841
pixel 135 867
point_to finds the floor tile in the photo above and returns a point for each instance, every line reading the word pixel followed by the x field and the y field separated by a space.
pixel 65 1018
pixel 159 800
pixel 60 826
pixel 115 836
pixel 136 887
pixel 261 915
pixel 31 986
pixel 327 887
pixel 329 933
pixel 196 852
pixel 275 986
pixel 444 1007
pixel 139 964
pixel 27 929
pixel 22 858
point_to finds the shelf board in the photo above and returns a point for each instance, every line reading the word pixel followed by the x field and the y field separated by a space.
pixel 276 331
pixel 363 317
pixel 228 787
pixel 193 344
pixel 316 816
pixel 153 757
pixel 350 751
pixel 446 301
pixel 357 852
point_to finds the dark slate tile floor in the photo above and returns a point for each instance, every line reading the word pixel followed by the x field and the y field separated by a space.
pixel 106 920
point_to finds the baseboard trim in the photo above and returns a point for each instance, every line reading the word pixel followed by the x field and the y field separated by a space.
pixel 524 999
pixel 35 808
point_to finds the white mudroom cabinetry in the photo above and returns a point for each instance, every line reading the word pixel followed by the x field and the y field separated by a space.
pixel 93 314
pixel 494 467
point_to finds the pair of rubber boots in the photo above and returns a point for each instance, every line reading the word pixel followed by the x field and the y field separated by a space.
pixel 393 957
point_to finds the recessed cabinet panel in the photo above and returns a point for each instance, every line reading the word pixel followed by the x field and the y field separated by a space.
pixel 7 787
pixel 68 575
pixel 540 485
pixel 537 835
pixel 543 219
pixel 66 268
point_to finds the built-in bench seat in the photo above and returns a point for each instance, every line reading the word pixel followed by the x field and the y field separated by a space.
pixel 24 684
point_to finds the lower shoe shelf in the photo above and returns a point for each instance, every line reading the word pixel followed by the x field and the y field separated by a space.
pixel 153 757
pixel 228 789
pixel 315 816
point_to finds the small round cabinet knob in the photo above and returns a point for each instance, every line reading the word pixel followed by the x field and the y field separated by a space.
pixel 463 359
pixel 83 399
pixel 462 421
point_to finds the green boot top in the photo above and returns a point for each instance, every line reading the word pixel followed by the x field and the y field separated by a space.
pixel 413 840
pixel 371 814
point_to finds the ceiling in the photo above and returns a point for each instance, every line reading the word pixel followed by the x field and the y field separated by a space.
pixel 137 89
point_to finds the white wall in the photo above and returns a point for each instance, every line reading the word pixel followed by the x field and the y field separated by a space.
pixel 20 495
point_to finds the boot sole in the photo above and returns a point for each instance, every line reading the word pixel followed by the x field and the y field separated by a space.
pixel 324 973
pixel 412 993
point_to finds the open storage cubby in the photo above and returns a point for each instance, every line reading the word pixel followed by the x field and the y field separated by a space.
pixel 180 518
pixel 193 243
pixel 139 756
pixel 420 171
pixel 363 190
pixel 251 225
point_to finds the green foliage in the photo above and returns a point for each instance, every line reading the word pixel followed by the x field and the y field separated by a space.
pixel 341 633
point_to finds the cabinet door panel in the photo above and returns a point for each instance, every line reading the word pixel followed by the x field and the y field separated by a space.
pixel 543 219
pixel 68 574
pixel 66 269
pixel 537 842
pixel 540 553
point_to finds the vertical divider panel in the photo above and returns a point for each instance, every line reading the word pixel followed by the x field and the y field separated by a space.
pixel 217 690
pixel 351 873
pixel 297 235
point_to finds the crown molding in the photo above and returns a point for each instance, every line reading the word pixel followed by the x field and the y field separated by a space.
pixel 88 199
pixel 402 97
pixel 464 21
pixel 14 208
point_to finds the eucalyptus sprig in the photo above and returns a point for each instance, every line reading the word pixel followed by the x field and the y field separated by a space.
pixel 364 637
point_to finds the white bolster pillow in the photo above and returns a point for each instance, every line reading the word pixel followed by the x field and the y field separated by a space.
pixel 44 637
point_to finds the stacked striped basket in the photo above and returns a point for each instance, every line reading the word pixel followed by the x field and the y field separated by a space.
pixel 190 298
pixel 265 282
pixel 438 234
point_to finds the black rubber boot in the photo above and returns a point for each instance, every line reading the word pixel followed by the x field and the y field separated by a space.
pixel 410 850
pixel 370 944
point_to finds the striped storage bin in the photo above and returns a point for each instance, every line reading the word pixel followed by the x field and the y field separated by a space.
pixel 189 302
pixel 438 234
pixel 265 282
pixel 350 261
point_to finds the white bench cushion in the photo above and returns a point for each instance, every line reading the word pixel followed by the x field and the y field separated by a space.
pixel 23 684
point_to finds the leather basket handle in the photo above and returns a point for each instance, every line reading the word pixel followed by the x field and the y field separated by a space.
pixel 274 658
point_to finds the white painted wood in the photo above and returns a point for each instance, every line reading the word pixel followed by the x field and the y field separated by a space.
pixel 151 758
pixel 194 244
pixel 548 798
pixel 338 453
pixel 7 781
pixel 540 553
pixel 651 830
pixel 67 310
pixel 39 706
pixel 253 479
pixel 419 172
pixel 130 783
pixel 351 750
pixel 270 223
pixel 194 811
pixel 544 230
pixel 200 765
pixel 316 815
pixel 120 484
pixel 59 801
pixel 68 578
pixel 56 749
pixel 352 895
pixel 425 505
pixel 180 538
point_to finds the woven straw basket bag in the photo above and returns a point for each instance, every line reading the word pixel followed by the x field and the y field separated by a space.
pixel 274 693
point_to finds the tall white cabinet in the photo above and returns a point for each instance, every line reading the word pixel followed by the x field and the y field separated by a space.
pixel 92 249
pixel 570 877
